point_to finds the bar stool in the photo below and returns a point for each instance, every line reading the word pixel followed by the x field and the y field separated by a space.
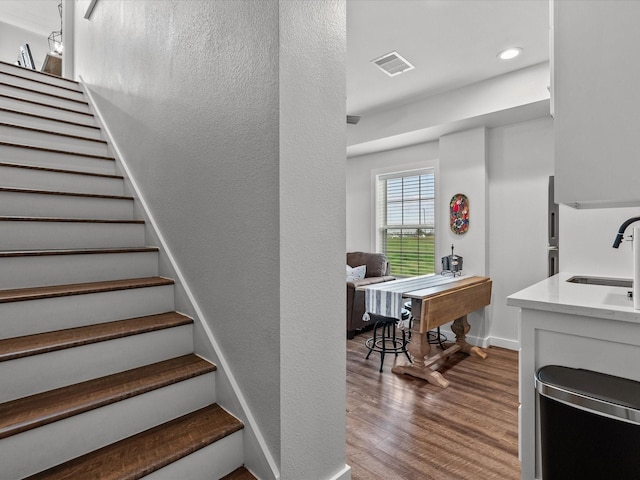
pixel 384 338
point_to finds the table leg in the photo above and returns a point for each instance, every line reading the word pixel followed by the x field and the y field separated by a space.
pixel 461 327
pixel 419 349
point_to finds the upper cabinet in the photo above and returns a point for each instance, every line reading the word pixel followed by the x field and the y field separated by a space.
pixel 596 102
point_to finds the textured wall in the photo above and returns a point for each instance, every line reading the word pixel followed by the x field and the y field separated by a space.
pixel 312 237
pixel 191 91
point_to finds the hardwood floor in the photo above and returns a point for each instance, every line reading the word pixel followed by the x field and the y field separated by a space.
pixel 401 427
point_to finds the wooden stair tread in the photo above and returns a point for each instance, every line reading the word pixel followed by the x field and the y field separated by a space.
pixel 60 170
pixel 145 452
pixel 53 95
pixel 67 220
pixel 26 413
pixel 78 251
pixel 19 347
pixel 68 194
pixel 33 102
pixel 148 451
pixel 49 132
pixel 239 474
pixel 42 117
pixel 35 293
pixel 54 150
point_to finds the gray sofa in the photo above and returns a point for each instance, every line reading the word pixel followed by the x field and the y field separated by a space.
pixel 377 271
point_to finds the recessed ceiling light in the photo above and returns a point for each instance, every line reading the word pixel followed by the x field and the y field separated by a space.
pixel 393 64
pixel 509 53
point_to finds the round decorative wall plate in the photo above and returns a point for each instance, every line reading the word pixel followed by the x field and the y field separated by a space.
pixel 459 214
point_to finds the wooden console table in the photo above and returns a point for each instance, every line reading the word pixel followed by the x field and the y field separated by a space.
pixel 434 306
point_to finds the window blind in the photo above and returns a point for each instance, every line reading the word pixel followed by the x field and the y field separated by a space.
pixel 406 221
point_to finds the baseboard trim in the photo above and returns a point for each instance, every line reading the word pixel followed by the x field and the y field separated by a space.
pixel 504 343
pixel 344 474
pixel 199 316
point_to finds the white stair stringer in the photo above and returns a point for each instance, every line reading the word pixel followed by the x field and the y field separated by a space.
pixel 21 176
pixel 96 428
pixel 46 371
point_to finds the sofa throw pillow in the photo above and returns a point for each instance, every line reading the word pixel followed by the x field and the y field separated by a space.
pixel 356 273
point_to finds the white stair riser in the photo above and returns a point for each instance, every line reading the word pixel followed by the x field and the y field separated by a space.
pixel 74 436
pixel 53 141
pixel 47 111
pixel 42 158
pixel 213 461
pixel 43 205
pixel 49 124
pixel 44 98
pixel 32 74
pixel 30 235
pixel 59 181
pixel 41 270
pixel 46 315
pixel 42 87
pixel 38 373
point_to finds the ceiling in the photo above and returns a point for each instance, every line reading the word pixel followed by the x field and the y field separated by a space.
pixel 452 43
pixel 39 16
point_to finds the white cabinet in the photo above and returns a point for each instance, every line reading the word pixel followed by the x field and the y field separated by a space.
pixel 575 341
pixel 596 102
pixel 572 325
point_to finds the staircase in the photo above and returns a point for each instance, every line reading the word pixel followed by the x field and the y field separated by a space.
pixel 98 377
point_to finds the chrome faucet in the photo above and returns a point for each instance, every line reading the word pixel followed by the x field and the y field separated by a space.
pixel 623 227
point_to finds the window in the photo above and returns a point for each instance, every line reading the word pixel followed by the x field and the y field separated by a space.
pixel 406 221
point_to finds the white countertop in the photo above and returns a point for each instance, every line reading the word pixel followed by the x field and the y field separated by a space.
pixel 555 294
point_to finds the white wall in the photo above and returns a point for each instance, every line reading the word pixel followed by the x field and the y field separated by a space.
pixel 463 169
pixel 11 37
pixel 311 191
pixel 220 133
pixel 586 239
pixel 361 177
pixel 504 171
pixel 520 163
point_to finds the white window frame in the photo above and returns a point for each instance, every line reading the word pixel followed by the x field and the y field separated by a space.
pixel 380 211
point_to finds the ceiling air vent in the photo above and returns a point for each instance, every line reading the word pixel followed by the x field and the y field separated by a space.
pixel 393 64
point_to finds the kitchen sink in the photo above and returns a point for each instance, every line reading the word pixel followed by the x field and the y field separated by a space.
pixel 607 281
